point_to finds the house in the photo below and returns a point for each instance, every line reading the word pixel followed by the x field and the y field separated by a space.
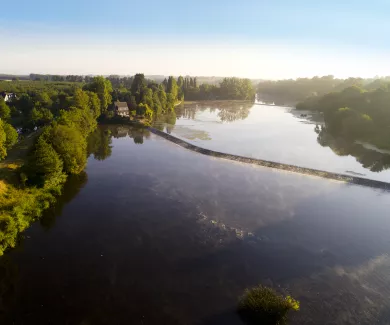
pixel 121 108
pixel 8 96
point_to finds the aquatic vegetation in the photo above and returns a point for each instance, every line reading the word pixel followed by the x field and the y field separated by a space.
pixel 262 305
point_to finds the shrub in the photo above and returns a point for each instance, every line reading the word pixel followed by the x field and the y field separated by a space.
pixel 262 305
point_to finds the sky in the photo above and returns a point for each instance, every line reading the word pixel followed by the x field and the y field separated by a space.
pixel 274 39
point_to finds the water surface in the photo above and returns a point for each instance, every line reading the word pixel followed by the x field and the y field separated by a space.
pixel 156 234
pixel 275 133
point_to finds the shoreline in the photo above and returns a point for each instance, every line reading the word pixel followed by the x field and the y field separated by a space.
pixel 271 164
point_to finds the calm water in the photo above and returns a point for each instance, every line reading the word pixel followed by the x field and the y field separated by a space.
pixel 155 234
pixel 275 133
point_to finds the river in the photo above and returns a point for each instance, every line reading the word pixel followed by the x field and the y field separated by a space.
pixel 278 134
pixel 152 233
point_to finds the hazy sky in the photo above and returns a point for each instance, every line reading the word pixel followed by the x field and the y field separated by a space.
pixel 256 39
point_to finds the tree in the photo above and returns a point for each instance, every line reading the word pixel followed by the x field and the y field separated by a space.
pixel 162 96
pixel 180 82
pixel 5 111
pixel 44 99
pixel 25 104
pixel 195 83
pixel 172 87
pixel 191 82
pixel 44 165
pixel 156 103
pixel 139 82
pixel 94 103
pixel 3 139
pixel 147 97
pixel 10 134
pixel 82 120
pixel 40 117
pixel 81 99
pixel 165 84
pixel 70 145
pixel 144 110
pixel 103 88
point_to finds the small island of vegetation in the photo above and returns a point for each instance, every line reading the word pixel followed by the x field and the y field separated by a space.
pixel 262 305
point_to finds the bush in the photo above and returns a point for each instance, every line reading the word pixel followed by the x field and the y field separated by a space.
pixel 261 305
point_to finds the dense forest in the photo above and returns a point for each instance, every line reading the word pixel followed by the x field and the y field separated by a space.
pixel 356 113
pixel 291 91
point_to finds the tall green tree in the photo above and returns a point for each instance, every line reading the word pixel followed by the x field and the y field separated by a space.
pixel 172 87
pixel 5 111
pixel 103 88
pixel 139 82
pixel 44 165
pixel 3 139
pixel 10 134
pixel 70 145
pixel 94 103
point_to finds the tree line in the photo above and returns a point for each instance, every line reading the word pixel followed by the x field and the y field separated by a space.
pixel 291 91
pixel 355 113
pixel 228 89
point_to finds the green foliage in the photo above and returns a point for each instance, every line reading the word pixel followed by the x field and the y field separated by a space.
pixel 70 145
pixel 5 111
pixel 172 87
pixel 45 165
pixel 11 136
pixel 8 137
pixel 40 116
pixel 94 104
pixel 139 82
pixel 82 120
pixel 81 99
pixel 262 305
pixel 236 88
pixel 355 114
pixel 3 141
pixel 229 88
pixel 145 111
pixel 103 88
pixel 44 99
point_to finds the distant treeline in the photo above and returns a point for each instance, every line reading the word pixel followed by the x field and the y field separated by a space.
pixel 356 113
pixel 228 88
pixel 292 91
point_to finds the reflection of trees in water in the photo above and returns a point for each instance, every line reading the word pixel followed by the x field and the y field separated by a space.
pixel 72 187
pixel 373 160
pixel 228 111
pixel 99 143
pixel 167 121
pixel 137 133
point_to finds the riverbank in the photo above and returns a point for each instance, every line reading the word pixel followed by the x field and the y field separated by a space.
pixel 275 165
pixel 20 205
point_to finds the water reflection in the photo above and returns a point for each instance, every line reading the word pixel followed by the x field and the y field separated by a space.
pixel 99 144
pixel 227 111
pixel 72 187
pixel 373 160
pixel 274 133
